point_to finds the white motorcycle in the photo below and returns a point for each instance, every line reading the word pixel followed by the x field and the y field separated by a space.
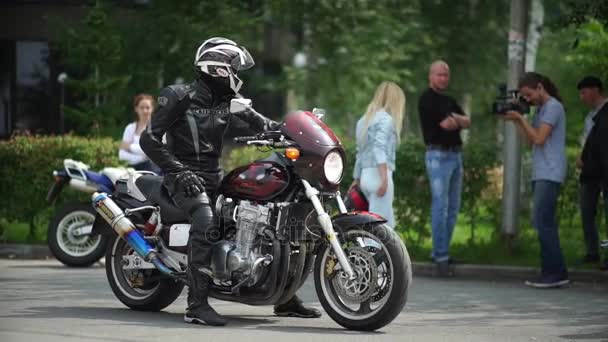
pixel 69 234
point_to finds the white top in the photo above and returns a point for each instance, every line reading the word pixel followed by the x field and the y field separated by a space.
pixel 589 123
pixel 134 155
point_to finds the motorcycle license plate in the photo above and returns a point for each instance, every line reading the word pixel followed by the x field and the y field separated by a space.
pixel 178 235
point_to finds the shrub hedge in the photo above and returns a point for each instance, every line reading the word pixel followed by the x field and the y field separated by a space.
pixel 27 162
pixel 26 166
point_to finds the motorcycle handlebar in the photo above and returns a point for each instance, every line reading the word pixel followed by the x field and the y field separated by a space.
pixel 244 140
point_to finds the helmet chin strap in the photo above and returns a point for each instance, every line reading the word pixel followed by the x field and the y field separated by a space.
pixel 235 83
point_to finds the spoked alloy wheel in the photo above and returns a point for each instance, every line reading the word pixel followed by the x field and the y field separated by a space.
pixel 378 292
pixel 66 239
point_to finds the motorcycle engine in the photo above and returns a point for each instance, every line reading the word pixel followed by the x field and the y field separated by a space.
pixel 234 258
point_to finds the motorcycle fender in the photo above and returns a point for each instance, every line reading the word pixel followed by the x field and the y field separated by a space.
pixel 356 219
pixel 56 188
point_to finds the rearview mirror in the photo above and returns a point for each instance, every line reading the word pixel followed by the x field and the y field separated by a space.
pixel 319 113
pixel 239 105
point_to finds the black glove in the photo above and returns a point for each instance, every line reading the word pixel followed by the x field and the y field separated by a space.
pixel 192 184
pixel 273 125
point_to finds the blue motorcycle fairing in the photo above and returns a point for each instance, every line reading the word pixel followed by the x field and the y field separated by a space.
pixel 103 182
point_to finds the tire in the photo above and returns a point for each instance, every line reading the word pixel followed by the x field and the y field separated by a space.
pixel 391 298
pixel 72 250
pixel 155 298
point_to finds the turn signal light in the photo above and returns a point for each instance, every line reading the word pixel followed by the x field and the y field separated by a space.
pixel 292 153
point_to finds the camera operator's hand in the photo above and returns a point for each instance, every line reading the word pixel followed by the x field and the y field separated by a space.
pixel 513 115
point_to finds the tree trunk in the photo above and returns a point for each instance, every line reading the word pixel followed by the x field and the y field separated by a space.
pixel 537 15
pixel 467 101
pixel 97 95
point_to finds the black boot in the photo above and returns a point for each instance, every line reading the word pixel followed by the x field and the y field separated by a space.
pixel 443 269
pixel 295 308
pixel 199 311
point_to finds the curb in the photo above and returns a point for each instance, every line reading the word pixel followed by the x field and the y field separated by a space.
pixel 514 273
pixel 424 269
pixel 23 251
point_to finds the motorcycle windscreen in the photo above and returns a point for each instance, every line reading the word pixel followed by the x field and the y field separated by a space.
pixel 305 127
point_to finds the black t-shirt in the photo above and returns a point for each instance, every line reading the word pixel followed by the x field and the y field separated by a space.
pixel 433 107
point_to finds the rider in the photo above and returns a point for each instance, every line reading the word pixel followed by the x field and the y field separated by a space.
pixel 195 118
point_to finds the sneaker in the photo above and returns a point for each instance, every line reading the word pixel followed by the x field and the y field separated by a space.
pixel 545 283
pixel 451 261
pixel 204 315
pixel 589 259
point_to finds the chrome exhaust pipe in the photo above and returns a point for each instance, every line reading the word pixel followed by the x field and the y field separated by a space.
pixel 116 218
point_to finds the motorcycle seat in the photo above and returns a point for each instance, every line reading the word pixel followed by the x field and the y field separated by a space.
pixel 154 191
pixel 115 173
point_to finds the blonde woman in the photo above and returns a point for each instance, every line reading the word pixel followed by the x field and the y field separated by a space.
pixel 378 133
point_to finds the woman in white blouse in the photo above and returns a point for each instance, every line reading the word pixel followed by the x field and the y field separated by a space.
pixel 130 151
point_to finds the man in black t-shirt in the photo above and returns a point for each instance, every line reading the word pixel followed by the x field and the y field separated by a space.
pixel 442 119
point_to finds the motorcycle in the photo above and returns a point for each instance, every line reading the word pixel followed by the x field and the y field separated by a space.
pixel 69 231
pixel 275 229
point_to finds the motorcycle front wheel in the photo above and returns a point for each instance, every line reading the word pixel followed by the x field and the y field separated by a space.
pixel 66 240
pixel 383 274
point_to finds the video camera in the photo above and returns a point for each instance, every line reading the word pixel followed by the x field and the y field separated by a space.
pixel 509 100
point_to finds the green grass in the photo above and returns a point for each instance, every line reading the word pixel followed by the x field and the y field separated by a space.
pixel 18 232
pixel 487 247
pixel 490 248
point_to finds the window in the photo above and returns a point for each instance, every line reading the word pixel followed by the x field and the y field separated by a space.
pixel 33 88
pixel 7 54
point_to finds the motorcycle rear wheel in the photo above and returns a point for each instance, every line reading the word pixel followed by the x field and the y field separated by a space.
pixel 71 249
pixel 156 294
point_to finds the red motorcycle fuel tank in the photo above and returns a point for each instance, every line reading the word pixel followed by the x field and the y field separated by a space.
pixel 258 181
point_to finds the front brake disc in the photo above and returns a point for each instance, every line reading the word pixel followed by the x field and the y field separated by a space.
pixel 363 286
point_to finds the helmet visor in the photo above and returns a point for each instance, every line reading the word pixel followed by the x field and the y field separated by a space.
pixel 242 60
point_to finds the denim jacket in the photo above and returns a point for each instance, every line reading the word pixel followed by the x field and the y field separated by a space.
pixel 380 146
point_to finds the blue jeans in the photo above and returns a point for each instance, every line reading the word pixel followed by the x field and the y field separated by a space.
pixel 444 170
pixel 544 221
pixel 589 198
pixel 383 206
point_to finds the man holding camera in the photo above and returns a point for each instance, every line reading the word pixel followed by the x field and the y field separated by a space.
pixel 442 120
pixel 593 180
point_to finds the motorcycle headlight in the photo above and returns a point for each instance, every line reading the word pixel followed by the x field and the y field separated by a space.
pixel 333 167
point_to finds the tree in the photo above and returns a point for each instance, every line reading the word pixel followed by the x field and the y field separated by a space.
pixel 95 50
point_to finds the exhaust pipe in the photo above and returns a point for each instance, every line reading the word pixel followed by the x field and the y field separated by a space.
pixel 116 218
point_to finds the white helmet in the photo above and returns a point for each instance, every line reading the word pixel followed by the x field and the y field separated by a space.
pixel 223 58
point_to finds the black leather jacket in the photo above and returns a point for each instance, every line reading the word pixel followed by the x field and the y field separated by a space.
pixel 195 118
pixel 595 151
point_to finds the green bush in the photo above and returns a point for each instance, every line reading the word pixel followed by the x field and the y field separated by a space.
pixel 27 163
pixel 412 193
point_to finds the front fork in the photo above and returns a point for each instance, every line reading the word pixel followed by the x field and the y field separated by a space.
pixel 325 221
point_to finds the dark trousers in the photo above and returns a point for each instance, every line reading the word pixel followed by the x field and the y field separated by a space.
pixel 545 221
pixel 589 198
pixel 204 233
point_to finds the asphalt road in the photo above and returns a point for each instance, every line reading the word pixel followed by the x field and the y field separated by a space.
pixel 45 301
